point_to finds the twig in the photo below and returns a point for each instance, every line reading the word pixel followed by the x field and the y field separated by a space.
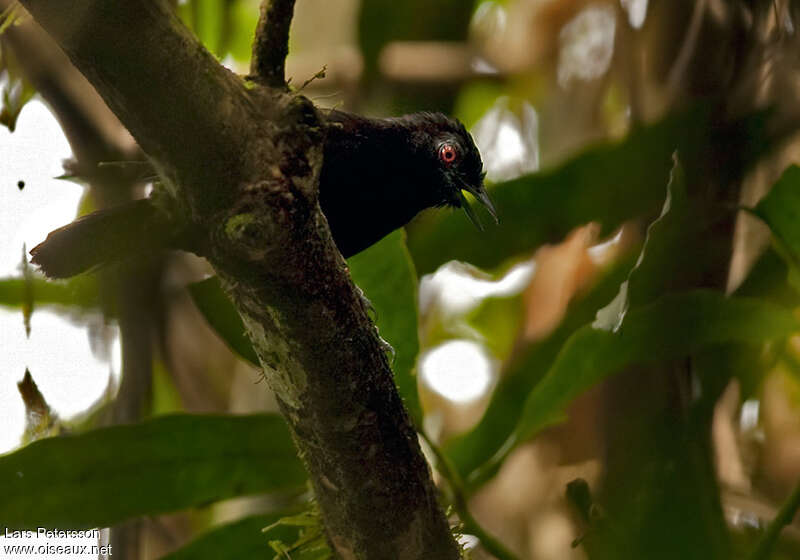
pixel 271 44
pixel 470 524
pixel 763 550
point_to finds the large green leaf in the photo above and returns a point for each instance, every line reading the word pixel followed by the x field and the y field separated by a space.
pixel 222 317
pixel 780 209
pixel 209 21
pixel 671 231
pixel 240 539
pixel 169 463
pixel 674 326
pixel 386 275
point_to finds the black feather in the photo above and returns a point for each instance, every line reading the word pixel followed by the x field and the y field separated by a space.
pixel 377 174
pixel 103 237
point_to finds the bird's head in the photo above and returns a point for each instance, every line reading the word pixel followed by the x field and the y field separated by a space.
pixel 453 159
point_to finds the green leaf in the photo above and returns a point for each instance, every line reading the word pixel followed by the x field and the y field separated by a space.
pixel 242 539
pixel 75 294
pixel 209 21
pixel 780 210
pixel 244 17
pixel 209 24
pixel 386 275
pixel 674 326
pixel 498 320
pixel 669 232
pixel 223 317
pixel 102 477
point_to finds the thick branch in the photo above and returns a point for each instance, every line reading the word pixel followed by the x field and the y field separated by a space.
pixel 272 43
pixel 244 164
pixel 167 90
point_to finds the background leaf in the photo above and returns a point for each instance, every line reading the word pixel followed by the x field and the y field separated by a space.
pixel 780 210
pixel 223 317
pixel 78 293
pixel 386 275
pixel 674 326
pixel 469 451
pixel 172 462
pixel 241 539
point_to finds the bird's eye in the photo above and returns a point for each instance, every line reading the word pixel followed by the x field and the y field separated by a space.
pixel 448 154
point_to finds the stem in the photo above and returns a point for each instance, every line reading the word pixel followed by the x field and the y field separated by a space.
pixel 470 524
pixel 763 550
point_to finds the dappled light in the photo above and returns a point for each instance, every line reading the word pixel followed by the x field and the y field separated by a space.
pixel 587 45
pixel 375 279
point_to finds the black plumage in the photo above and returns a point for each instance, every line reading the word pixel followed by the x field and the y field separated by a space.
pixel 377 174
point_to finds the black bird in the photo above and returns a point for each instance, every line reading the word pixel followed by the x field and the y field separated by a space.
pixel 377 174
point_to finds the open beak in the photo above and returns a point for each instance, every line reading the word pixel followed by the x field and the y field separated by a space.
pixel 483 197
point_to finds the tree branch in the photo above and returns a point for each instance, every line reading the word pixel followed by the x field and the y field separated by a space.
pixel 242 166
pixel 272 43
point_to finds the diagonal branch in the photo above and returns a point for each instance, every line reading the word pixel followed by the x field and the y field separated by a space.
pixel 241 166
pixel 272 43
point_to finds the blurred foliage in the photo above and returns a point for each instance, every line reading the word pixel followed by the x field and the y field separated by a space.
pixel 498 320
pixel 77 294
pixel 226 27
pixel 166 464
pixel 17 91
pixel 672 327
pixel 780 210
pixel 250 537
pixel 384 21
pixel 655 317
pixel 471 450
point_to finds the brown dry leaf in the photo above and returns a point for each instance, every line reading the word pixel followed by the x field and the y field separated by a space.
pixel 561 270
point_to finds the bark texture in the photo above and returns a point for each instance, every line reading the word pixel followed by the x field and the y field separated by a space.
pixel 242 162
pixel 271 46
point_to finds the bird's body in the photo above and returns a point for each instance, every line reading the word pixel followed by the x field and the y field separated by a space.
pixel 377 174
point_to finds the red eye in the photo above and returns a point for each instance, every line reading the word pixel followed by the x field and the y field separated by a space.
pixel 447 153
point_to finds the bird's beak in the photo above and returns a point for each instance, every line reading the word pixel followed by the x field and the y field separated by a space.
pixel 473 217
pixel 482 196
